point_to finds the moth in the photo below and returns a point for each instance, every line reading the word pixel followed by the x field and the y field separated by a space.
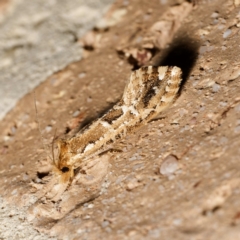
pixel 149 91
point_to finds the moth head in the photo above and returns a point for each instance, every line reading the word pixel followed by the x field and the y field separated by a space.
pixel 62 163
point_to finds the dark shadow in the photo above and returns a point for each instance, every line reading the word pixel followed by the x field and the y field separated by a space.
pixel 89 120
pixel 182 53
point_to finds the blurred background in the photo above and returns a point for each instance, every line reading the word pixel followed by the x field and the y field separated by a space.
pixel 38 38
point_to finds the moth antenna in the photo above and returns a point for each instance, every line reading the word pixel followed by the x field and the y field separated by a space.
pixel 38 123
pixel 53 141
